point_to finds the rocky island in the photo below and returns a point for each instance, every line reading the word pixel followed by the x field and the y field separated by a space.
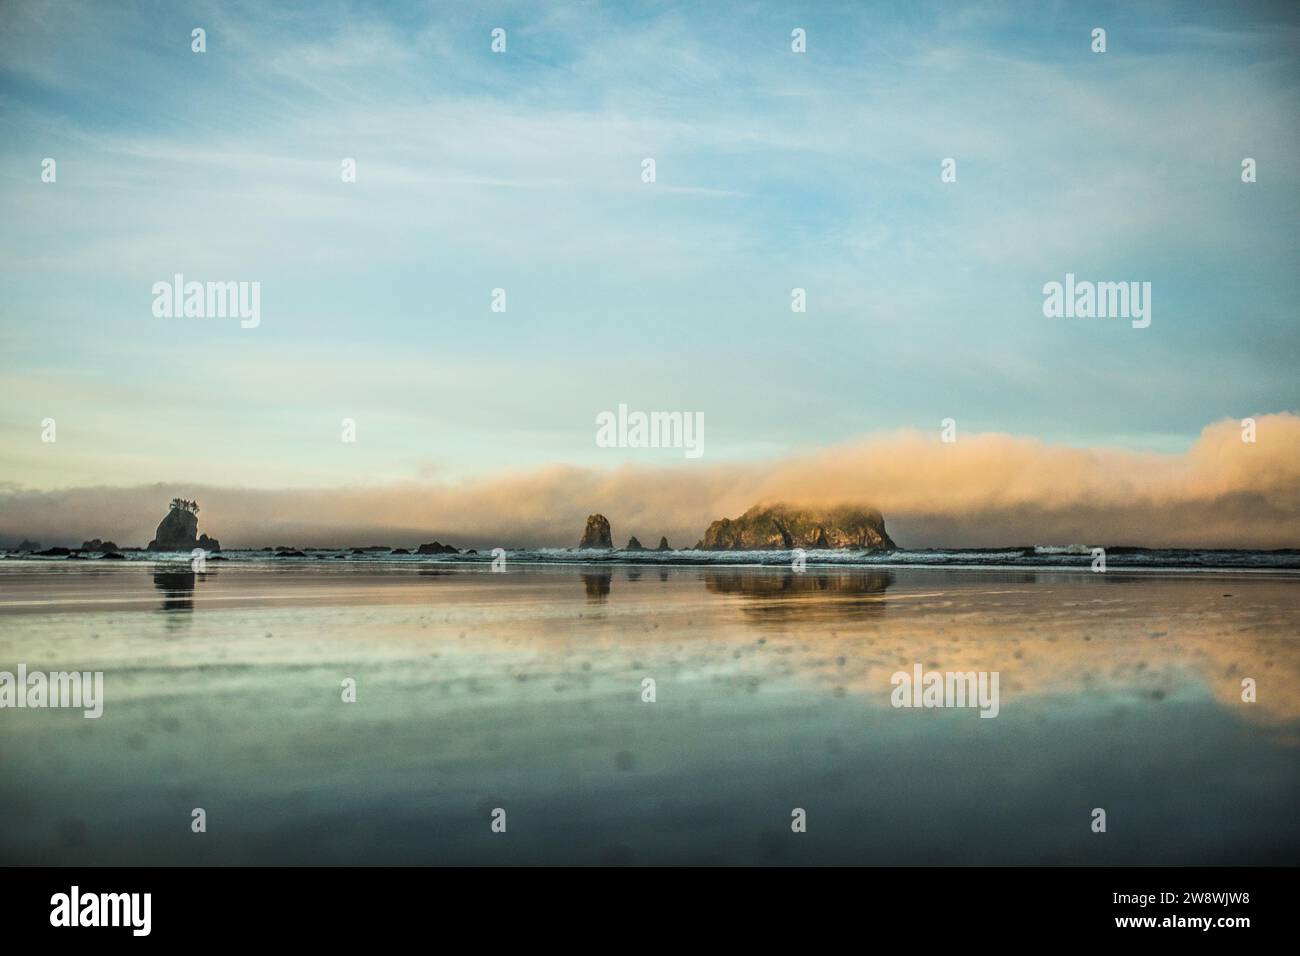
pixel 437 547
pixel 777 527
pixel 99 547
pixel 178 531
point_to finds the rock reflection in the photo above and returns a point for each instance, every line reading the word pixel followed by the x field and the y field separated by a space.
pixel 597 584
pixel 778 598
pixel 177 586
pixel 772 584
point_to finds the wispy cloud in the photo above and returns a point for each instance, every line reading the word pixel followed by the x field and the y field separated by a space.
pixel 522 171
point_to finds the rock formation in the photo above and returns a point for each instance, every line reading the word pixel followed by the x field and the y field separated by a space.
pixel 28 546
pixel 663 545
pixel 633 544
pixel 597 533
pixel 97 546
pixel 179 532
pixel 782 527
pixel 436 547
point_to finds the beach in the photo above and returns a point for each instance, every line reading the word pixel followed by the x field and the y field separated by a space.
pixel 525 692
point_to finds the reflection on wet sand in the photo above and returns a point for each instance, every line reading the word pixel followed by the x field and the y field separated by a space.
pixel 1051 637
pixel 781 598
pixel 597 585
pixel 769 584
pixel 1083 637
pixel 177 586
pixel 773 691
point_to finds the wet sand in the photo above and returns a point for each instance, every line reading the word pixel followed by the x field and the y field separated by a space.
pixel 523 691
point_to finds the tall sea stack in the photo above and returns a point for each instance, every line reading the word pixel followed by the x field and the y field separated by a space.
pixel 596 535
pixel 178 531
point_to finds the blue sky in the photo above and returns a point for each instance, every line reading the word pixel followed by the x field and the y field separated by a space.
pixel 522 171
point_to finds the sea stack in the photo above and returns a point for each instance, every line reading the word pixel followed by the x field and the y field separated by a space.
pixel 780 527
pixel 596 535
pixel 663 545
pixel 178 531
pixel 633 544
pixel 437 547
pixel 98 547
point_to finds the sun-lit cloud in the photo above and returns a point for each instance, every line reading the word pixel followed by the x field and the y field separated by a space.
pixel 982 490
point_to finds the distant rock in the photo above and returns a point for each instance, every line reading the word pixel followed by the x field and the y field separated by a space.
pixel 179 530
pixel 114 556
pixel 633 544
pixel 597 534
pixel 663 545
pixel 54 553
pixel 783 527
pixel 400 551
pixel 28 546
pixel 98 546
pixel 436 548
pixel 288 553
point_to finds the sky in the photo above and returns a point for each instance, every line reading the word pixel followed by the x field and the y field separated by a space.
pixel 522 171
